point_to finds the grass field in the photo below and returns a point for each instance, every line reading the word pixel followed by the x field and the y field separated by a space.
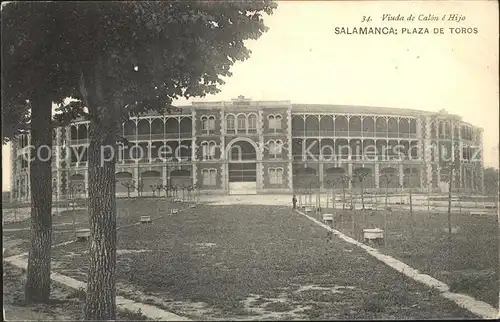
pixel 17 235
pixel 268 262
pixel 256 262
pixel 468 262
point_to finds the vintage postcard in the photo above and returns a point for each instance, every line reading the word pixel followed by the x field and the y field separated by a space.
pixel 257 160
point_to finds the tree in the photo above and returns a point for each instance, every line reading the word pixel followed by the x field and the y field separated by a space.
pixel 344 179
pixel 31 80
pixel 183 187
pixel 166 188
pixel 387 177
pixel 123 58
pixel 156 187
pixel 140 188
pixel 138 56
pixel 196 192
pixel 175 190
pixel 130 186
pixel 331 183
pixel 159 187
pixel 190 189
pixel 361 174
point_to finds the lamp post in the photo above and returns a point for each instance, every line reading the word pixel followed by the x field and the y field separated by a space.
pixel 72 201
pixel 332 184
pixel 451 167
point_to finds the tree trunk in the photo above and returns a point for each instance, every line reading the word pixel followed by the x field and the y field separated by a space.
pixel 101 285
pixel 37 288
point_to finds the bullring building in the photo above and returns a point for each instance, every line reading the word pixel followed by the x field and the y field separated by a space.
pixel 245 146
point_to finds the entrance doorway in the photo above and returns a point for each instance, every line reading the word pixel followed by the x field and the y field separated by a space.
pixel 242 168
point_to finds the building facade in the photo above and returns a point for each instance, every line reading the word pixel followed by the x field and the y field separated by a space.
pixel 246 146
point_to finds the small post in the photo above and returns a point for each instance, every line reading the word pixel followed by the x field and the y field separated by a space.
pixel 428 198
pixel 327 201
pixel 385 228
pixel 319 199
pixel 72 193
pixel 386 181
pixel 411 201
pixel 333 219
pixel 449 198
pixel 351 196
pixel 334 197
pixel 352 224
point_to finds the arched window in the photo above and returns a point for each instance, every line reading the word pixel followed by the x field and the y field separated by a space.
pixel 207 124
pixel 74 133
pixel 278 147
pixel 211 123
pixel 242 123
pixel 270 120
pixel 275 148
pixel 82 132
pixel 211 149
pixel 204 123
pixel 272 147
pixel 230 124
pixel 277 122
pixel 204 150
pixel 208 150
pixel 213 177
pixel 447 130
pixel 413 128
pixel 433 127
pixel 441 129
pixel 252 123
pixel 392 127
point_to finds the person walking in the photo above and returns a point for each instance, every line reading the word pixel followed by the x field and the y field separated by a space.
pixel 294 202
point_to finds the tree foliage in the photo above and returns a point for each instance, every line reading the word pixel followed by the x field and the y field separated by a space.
pixel 126 57
pixel 118 59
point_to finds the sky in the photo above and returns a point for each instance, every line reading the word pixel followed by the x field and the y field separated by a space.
pixel 302 60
